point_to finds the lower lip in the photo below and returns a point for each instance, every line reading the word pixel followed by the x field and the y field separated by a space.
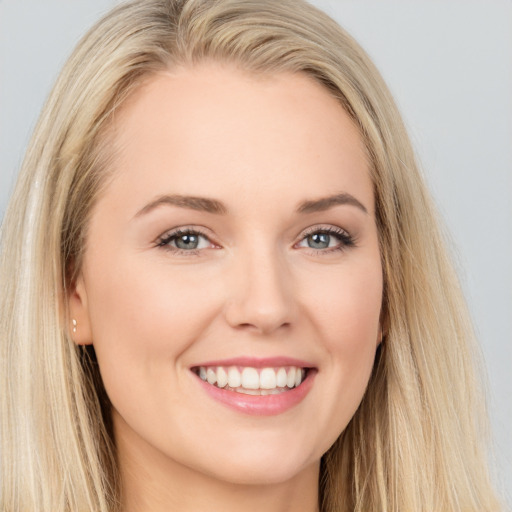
pixel 261 405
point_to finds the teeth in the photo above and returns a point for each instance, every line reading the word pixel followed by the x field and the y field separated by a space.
pixel 211 376
pixel 248 391
pixel 290 381
pixel 268 378
pixel 281 378
pixel 250 378
pixel 234 378
pixel 222 377
pixel 252 381
pixel 298 377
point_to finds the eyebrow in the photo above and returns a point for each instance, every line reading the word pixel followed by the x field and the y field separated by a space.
pixel 205 204
pixel 324 203
pixel 202 204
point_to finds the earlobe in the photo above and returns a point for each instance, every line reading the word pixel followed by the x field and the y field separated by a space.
pixel 383 328
pixel 79 326
pixel 379 336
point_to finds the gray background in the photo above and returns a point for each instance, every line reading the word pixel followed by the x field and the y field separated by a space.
pixel 449 65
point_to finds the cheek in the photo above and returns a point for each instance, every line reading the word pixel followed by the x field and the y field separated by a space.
pixel 356 325
pixel 143 318
pixel 134 298
pixel 346 315
pixel 347 305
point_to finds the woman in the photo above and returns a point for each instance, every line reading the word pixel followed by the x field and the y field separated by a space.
pixel 230 279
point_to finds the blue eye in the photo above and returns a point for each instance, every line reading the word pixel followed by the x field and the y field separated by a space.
pixel 186 240
pixel 320 240
pixel 326 239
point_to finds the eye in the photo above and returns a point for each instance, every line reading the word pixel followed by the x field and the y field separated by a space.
pixel 184 241
pixel 327 239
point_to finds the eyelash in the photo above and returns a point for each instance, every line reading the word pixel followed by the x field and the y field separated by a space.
pixel 345 240
pixel 166 240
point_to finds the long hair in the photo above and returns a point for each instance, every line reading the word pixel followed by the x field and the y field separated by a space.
pixel 416 443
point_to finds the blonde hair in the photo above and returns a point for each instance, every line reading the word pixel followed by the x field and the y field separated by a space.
pixel 416 442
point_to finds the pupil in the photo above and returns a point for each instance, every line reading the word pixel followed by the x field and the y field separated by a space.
pixel 319 241
pixel 187 242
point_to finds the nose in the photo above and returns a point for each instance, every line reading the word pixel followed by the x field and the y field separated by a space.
pixel 260 293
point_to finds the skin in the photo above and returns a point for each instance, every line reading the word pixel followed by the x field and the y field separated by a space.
pixel 255 287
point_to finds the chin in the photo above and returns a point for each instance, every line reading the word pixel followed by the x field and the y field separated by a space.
pixel 262 465
pixel 271 473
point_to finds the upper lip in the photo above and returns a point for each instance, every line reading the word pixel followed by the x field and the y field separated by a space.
pixel 258 362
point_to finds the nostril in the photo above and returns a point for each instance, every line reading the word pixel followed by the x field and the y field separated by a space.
pixel 261 299
pixel 262 327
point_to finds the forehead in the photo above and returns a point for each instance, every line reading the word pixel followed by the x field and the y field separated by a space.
pixel 201 129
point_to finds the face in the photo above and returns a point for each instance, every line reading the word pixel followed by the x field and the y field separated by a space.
pixel 231 283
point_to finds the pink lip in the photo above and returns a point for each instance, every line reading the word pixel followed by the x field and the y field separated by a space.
pixel 257 362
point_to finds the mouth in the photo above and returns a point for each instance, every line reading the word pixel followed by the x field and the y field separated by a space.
pixel 250 380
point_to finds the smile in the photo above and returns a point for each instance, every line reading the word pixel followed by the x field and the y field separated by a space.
pixel 256 386
pixel 252 381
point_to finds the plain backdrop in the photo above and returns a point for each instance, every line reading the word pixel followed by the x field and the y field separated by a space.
pixel 449 65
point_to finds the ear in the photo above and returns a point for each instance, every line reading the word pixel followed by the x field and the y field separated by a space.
pixel 379 337
pixel 383 330
pixel 383 324
pixel 79 321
